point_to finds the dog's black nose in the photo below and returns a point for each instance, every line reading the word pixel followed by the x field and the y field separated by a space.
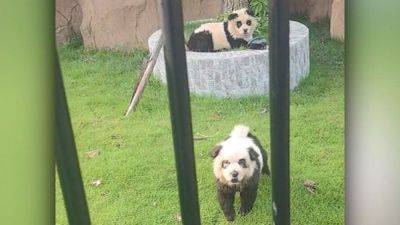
pixel 245 31
pixel 235 174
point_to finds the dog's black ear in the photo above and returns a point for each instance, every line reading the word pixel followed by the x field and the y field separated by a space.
pixel 250 12
pixel 253 154
pixel 232 16
pixel 215 151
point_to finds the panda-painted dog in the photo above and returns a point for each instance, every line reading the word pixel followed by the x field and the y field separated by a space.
pixel 233 33
pixel 238 163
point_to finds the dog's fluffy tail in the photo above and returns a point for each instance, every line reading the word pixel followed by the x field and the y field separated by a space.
pixel 240 131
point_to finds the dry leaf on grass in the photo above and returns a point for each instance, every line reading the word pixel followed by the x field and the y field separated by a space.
pixel 310 185
pixel 178 217
pixel 264 110
pixel 216 116
pixel 200 137
pixel 92 154
pixel 116 136
pixel 96 183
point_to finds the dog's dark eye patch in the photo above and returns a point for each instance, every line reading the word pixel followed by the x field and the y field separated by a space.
pixel 232 16
pixel 239 24
pixel 225 164
pixel 250 12
pixel 248 22
pixel 242 163
pixel 253 154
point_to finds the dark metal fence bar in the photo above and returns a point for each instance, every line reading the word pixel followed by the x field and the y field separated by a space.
pixel 67 160
pixel 279 107
pixel 179 102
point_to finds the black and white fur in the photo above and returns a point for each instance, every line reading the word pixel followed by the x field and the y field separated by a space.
pixel 233 33
pixel 238 163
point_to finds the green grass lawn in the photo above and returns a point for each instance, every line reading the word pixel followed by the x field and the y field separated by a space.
pixel 136 161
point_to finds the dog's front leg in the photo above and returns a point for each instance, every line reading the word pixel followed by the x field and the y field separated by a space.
pixel 226 200
pixel 247 198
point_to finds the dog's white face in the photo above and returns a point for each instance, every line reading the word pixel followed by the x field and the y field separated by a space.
pixel 232 161
pixel 242 23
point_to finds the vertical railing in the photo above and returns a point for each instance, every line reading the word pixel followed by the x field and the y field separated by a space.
pixel 279 107
pixel 67 160
pixel 179 102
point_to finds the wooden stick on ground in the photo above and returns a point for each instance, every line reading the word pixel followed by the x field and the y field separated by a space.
pixel 200 137
pixel 144 76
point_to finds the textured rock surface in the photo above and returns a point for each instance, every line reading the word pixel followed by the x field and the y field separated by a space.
pixel 126 24
pixel 239 73
pixel 232 5
pixel 337 20
pixel 315 10
pixel 68 19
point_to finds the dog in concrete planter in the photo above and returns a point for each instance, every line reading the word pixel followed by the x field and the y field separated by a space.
pixel 236 32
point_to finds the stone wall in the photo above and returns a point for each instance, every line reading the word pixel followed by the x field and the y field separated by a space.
pixel 127 24
pixel 337 19
pixel 315 10
pixel 68 19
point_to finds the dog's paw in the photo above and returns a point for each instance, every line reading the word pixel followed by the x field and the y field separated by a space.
pixel 230 217
pixel 244 211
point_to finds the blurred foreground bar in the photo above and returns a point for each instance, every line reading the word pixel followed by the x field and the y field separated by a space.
pixel 179 102
pixel 279 106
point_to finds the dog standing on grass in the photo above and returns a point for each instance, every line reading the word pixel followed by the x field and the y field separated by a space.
pixel 238 163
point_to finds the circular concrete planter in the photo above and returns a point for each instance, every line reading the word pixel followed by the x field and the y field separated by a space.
pixel 240 72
